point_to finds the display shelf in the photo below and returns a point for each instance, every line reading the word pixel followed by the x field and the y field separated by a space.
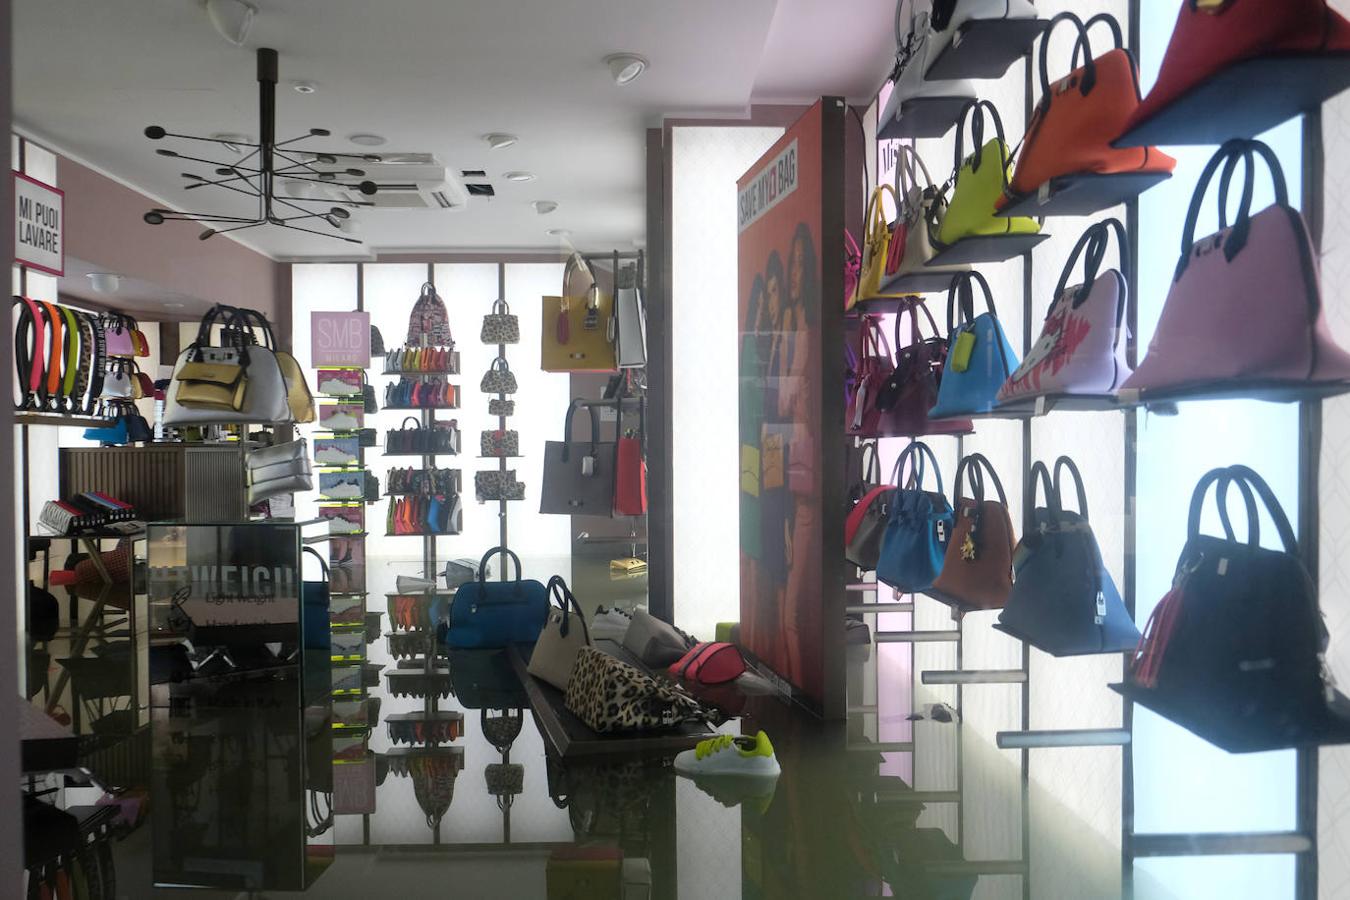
pixel 413 455
pixel 425 373
pixel 400 757
pixel 503 456
pixel 910 283
pixel 1245 100
pixel 447 725
pixel 420 683
pixel 72 420
pixel 1048 403
pixel 985 48
pixel 418 408
pixel 987 249
pixel 926 117
pixel 1083 194
pixel 1163 402
pixel 422 534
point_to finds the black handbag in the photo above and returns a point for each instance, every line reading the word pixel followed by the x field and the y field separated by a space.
pixel 484 679
pixel 1235 652
pixel 578 475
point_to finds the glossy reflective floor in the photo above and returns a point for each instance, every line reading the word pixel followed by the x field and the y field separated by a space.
pixel 451 791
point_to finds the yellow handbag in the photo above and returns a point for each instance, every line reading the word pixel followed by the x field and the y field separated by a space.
pixel 772 456
pixel 750 470
pixel 298 397
pixel 980 181
pixel 578 334
pixel 876 247
pixel 207 385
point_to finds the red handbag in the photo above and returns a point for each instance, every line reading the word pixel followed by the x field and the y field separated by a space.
pixel 874 366
pixel 911 389
pixel 710 663
pixel 630 470
pixel 1080 115
pixel 1211 35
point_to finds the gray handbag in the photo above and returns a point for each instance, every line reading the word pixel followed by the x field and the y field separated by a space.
pixel 280 469
pixel 497 485
pixel 265 396
pixel 656 643
pixel 499 407
pixel 578 475
pixel 632 319
pixel 499 378
pixel 501 326
pixel 564 634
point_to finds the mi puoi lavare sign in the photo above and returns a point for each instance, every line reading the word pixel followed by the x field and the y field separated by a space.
pixel 768 188
pixel 339 339
pixel 38 223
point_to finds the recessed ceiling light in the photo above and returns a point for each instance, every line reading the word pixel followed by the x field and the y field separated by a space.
pixel 519 176
pixel 625 68
pixel 367 140
pixel 560 232
pixel 304 87
pixel 499 140
pixel 104 282
pixel 544 207
pixel 231 19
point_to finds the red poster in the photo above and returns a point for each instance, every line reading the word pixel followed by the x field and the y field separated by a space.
pixel 779 213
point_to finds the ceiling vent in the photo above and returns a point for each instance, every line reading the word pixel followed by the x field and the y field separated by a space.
pixel 406 180
pixel 481 190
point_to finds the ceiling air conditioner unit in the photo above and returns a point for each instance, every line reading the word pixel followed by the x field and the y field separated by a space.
pixel 406 180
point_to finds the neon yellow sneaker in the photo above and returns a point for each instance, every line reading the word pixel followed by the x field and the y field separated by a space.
pixel 729 754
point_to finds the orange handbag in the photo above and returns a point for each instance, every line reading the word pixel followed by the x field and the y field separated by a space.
pixel 977 569
pixel 1080 115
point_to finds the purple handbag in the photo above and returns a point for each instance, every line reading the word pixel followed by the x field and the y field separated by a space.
pixel 1080 350
pixel 1245 310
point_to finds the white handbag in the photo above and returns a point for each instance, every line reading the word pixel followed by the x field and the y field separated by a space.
pixel 916 48
pixel 948 18
pixel 921 211
pixel 632 319
pixel 562 638
pixel 279 469
pixel 266 400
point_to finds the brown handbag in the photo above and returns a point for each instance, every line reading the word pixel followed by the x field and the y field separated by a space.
pixel 977 570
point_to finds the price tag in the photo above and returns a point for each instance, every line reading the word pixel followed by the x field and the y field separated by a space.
pixel 1040 405
pixel 1043 194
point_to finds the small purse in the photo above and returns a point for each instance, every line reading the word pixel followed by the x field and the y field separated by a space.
pixel 866 522
pixel 563 637
pixel 911 390
pixel 498 379
pixel 710 663
pixel 500 326
pixel 500 443
pixel 977 568
pixel 500 408
pixel 496 485
pixel 279 469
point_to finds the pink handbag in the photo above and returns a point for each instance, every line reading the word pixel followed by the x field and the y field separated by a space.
pixel 1080 350
pixel 117 332
pixel 1244 314
pixel 862 418
pixel 852 269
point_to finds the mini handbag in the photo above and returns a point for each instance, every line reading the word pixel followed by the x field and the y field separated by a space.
pixel 501 408
pixel 498 379
pixel 280 469
pixel 710 663
pixel 912 388
pixel 1080 350
pixel 979 356
pixel 630 468
pixel 922 209
pixel 977 568
pixel 497 485
pixel 919 525
pixel 562 638
pixel 500 326
pixel 1244 313
pixel 1236 650
pixel 981 179
pixel 611 696
pixel 630 316
pixel 500 443
pixel 1063 600
pixel 1071 130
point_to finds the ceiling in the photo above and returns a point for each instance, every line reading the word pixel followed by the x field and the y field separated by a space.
pixel 434 77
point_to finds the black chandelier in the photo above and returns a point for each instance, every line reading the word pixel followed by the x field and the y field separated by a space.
pixel 255 175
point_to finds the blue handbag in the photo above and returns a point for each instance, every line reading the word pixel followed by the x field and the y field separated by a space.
pixel 1063 600
pixel 919 524
pixel 979 357
pixel 496 613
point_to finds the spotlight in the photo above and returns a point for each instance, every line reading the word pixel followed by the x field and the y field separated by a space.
pixel 231 19
pixel 625 68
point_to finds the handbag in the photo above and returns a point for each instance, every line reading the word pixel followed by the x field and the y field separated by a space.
pixel 654 641
pixel 1211 36
pixel 500 326
pixel 563 636
pixel 710 663
pixel 1236 650
pixel 499 443
pixel 979 356
pixel 922 210
pixel 611 696
pixel 1077 118
pixel 316 627
pixel 919 525
pixel 498 379
pixel 497 613
pixel 1080 351
pixel 497 485
pixel 876 246
pixel 239 357
pixel 117 331
pixel 867 516
pixel 630 314
pixel 280 469
pixel 484 679
pixel 862 418
pixel 916 49
pixel 578 475
pixel 981 179
pixel 429 324
pixel 578 334
pixel 1244 312
pixel 852 269
pixel 630 468
pixel 501 408
pixel 298 395
pixel 1063 600
pixel 911 390
pixel 977 568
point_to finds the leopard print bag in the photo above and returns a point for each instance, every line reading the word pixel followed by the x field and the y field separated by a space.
pixel 612 696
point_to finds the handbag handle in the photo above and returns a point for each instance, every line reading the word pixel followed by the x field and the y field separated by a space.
pixel 567 429
pixel 871 463
pixel 322 562
pixel 557 586
pixel 1248 481
pixel 403 426
pixel 974 467
pixel 1094 242
pixel 505 309
pixel 876 209
pixel 912 306
pixel 506 555
pixel 872 337
pixel 1082 44
pixel 504 367
pixel 977 137
pixel 1039 479
pixel 961 286
pixel 917 452
pixel 1064 464
pixel 908 164
pixel 1237 238
pixel 252 321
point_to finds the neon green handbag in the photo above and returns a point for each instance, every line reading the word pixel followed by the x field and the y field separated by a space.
pixel 980 180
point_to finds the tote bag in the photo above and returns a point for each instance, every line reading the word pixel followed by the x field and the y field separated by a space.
pixel 579 475
pixel 563 636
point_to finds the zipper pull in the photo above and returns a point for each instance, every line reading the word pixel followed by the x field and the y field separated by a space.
pixel 1101 608
pixel 942 531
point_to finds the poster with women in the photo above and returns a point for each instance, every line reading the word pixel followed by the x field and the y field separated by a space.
pixel 781 397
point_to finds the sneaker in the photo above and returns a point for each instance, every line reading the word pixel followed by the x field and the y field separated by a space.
pixel 734 790
pixel 332 456
pixel 345 490
pixel 337 387
pixel 342 421
pixel 729 754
